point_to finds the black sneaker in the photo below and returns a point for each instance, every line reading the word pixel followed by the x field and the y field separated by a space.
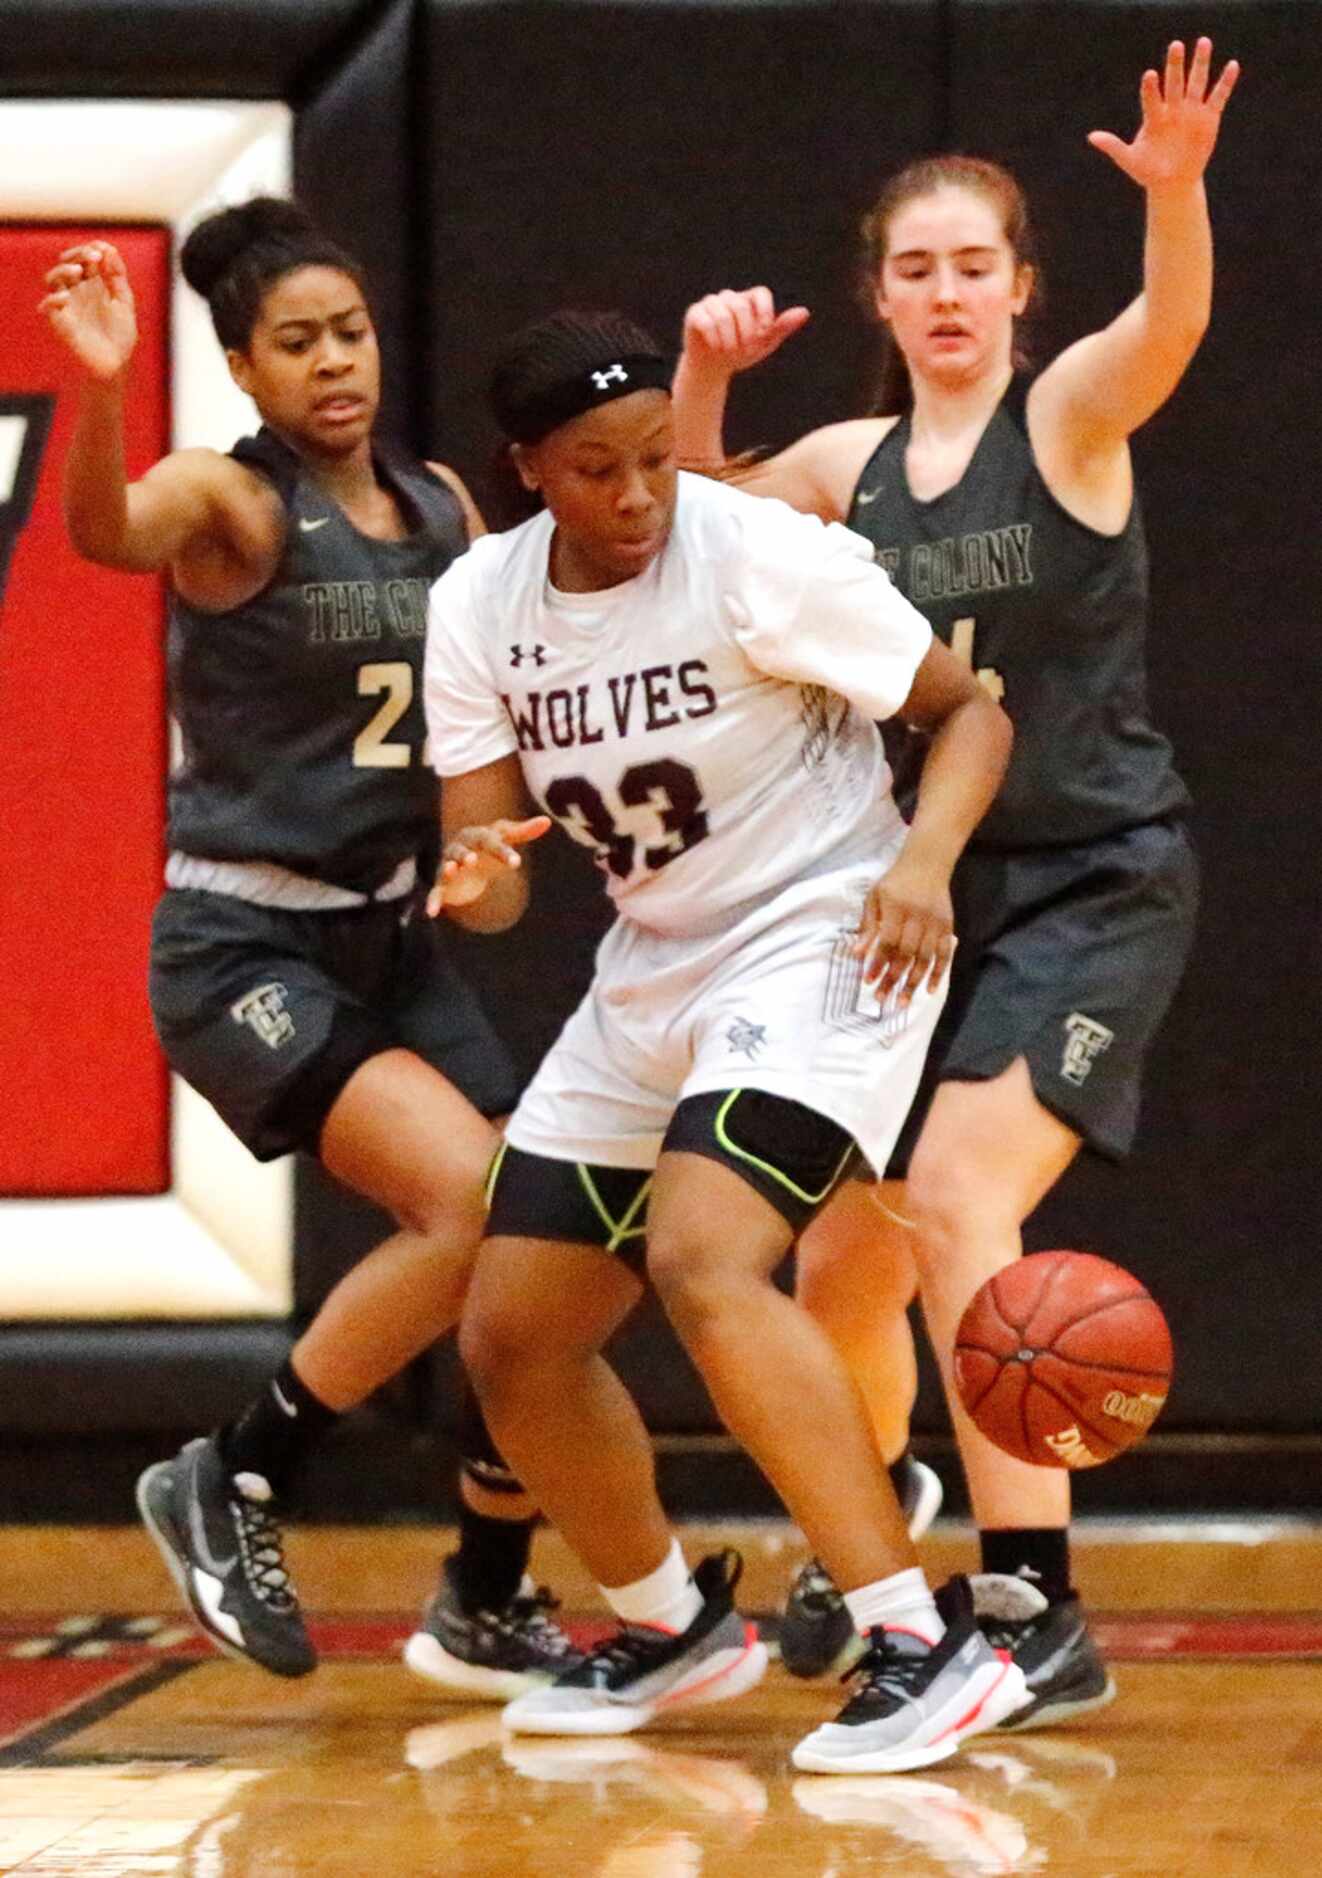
pixel 639 1671
pixel 914 1701
pixel 491 1655
pixel 817 1634
pixel 218 1535
pixel 1063 1667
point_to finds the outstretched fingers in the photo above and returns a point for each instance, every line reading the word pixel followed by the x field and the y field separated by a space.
pixel 474 857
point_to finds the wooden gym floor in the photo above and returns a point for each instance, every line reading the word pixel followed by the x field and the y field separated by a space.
pixel 128 1750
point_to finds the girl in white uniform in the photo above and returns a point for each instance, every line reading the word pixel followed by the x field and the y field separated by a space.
pixel 685 679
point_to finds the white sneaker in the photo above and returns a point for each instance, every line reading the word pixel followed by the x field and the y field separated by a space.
pixel 639 1673
pixel 914 1702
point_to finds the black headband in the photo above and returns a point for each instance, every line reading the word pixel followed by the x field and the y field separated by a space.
pixel 615 377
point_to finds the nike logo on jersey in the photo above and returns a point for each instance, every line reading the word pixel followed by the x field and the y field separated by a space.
pixel 285 1406
pixel 865 496
pixel 310 524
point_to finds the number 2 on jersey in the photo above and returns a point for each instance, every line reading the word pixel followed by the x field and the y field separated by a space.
pixel 670 790
pixel 371 750
pixel 961 644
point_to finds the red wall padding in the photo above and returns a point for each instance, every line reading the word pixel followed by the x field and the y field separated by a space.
pixel 83 1088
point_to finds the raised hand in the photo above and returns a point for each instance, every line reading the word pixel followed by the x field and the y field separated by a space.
pixel 90 305
pixel 727 332
pixel 1181 118
pixel 477 856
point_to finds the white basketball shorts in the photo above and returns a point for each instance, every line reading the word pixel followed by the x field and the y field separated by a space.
pixel 775 1001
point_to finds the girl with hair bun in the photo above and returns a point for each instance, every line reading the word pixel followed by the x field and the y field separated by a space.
pixel 291 982
pixel 1003 505
pixel 686 677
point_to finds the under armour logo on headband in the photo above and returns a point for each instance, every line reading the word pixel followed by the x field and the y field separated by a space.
pixel 614 374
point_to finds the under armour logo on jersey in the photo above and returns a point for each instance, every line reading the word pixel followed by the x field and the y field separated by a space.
pixel 519 653
pixel 263 1010
pixel 1085 1039
pixel 613 375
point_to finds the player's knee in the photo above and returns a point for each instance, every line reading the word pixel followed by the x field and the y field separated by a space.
pixel 838 1300
pixel 952 1203
pixel 843 1280
pixel 448 1213
pixel 496 1346
pixel 690 1278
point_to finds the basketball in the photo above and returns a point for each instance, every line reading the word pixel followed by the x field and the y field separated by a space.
pixel 1063 1359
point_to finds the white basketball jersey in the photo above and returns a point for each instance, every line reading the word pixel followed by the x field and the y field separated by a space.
pixel 706 727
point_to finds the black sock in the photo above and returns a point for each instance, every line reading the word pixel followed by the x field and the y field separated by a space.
pixel 491 1560
pixel 899 1472
pixel 274 1434
pixel 1038 1554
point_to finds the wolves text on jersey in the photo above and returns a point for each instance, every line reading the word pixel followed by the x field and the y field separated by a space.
pixel 982 562
pixel 655 698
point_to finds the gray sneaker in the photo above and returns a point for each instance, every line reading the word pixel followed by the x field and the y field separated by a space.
pixel 914 1702
pixel 491 1656
pixel 638 1672
pixel 1065 1672
pixel 218 1535
pixel 817 1634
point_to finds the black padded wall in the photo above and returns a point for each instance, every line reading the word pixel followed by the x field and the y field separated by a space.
pixel 589 152
pixel 354 168
pixel 172 48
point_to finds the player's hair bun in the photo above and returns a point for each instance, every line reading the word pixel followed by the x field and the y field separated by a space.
pixel 217 243
pixel 232 258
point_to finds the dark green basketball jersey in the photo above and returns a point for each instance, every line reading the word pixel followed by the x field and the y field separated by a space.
pixel 1050 613
pixel 301 712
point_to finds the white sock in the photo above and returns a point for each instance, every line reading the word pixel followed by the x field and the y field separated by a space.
pixel 667 1598
pixel 900 1602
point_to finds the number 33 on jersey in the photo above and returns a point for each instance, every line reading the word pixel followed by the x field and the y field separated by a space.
pixel 705 727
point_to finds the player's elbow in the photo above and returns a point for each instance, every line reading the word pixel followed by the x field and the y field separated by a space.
pixel 93 539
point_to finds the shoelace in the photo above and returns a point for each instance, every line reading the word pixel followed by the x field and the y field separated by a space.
pixel 629 1650
pixel 884 1670
pixel 817 1588
pixel 262 1550
pixel 1002 1633
pixel 530 1617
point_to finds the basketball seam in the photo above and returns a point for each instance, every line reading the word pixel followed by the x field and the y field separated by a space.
pixel 973 1406
pixel 1111 1369
pixel 1115 1446
pixel 1026 1433
pixel 1015 1330
pixel 1040 1302
pixel 1097 1310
